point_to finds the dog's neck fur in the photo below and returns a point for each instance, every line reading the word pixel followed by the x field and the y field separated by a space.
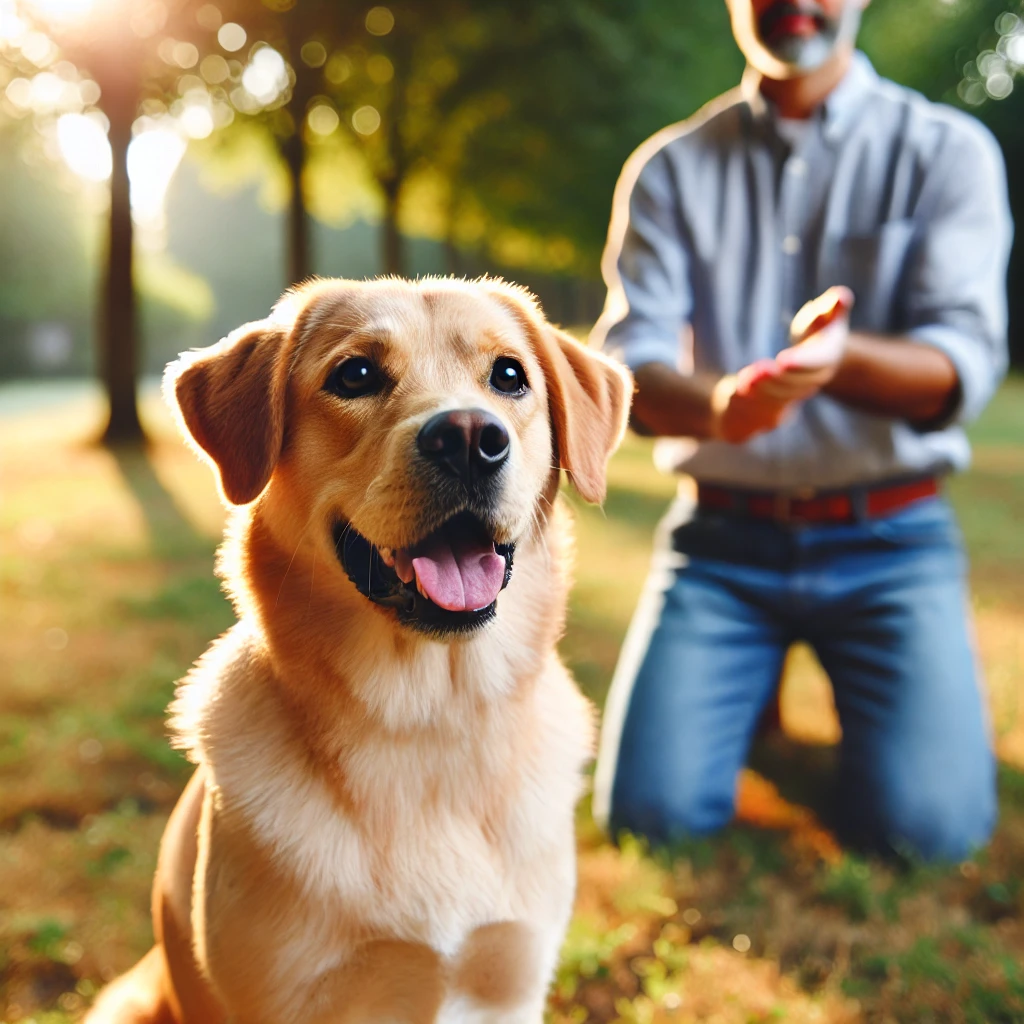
pixel 393 724
pixel 339 660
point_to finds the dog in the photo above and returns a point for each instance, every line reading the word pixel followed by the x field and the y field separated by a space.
pixel 389 752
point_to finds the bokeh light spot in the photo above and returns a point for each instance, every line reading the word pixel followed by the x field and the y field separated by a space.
pixel 313 54
pixel 266 77
pixel 38 48
pixel 84 146
pixel 186 55
pixel 19 92
pixel 12 28
pixel 231 36
pixel 999 85
pixel 338 69
pixel 209 17
pixel 379 21
pixel 379 69
pixel 1007 23
pixel 214 69
pixel 90 92
pixel 323 119
pixel 366 120
pixel 972 93
pixel 196 121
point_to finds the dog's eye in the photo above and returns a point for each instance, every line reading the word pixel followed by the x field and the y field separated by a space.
pixel 355 377
pixel 508 377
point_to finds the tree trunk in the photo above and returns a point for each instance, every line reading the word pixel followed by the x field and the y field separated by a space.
pixel 300 264
pixel 118 335
pixel 393 244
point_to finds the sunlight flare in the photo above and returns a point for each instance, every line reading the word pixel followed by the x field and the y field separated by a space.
pixel 62 10
pixel 84 146
pixel 153 157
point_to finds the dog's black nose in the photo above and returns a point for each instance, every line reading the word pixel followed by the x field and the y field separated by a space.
pixel 468 443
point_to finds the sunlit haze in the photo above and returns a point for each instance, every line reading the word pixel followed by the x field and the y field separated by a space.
pixel 83 144
pixel 60 10
pixel 153 157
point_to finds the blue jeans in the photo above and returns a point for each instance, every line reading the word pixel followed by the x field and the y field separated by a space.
pixel 882 602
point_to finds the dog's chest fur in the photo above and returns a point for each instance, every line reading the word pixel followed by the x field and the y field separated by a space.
pixel 420 835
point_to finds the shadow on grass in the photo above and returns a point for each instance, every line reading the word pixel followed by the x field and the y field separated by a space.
pixel 804 773
pixel 169 528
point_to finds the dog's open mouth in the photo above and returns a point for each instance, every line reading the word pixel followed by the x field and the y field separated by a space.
pixel 446 583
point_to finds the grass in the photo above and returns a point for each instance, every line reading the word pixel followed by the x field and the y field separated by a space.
pixel 107 594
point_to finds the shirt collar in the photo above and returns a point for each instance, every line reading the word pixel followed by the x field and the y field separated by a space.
pixel 839 109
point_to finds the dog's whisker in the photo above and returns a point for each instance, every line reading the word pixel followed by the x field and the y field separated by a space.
pixel 291 561
pixel 312 576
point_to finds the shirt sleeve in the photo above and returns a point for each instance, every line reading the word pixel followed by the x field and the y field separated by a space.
pixel 956 281
pixel 645 266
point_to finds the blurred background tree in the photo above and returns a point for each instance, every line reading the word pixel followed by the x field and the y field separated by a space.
pixel 114 44
pixel 433 136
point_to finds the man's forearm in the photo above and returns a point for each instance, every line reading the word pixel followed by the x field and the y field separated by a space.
pixel 669 404
pixel 896 378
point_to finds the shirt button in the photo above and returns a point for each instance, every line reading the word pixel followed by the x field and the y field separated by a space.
pixel 797 166
pixel 791 245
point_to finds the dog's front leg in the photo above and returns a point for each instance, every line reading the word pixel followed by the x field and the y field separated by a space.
pixel 382 981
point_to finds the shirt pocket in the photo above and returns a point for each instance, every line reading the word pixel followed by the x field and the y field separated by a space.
pixel 874 266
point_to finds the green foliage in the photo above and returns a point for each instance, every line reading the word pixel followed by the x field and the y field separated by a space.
pixel 46 234
pixel 589 949
pixel 46 936
pixel 583 84
pixel 847 885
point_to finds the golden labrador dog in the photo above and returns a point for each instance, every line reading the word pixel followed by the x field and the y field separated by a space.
pixel 389 751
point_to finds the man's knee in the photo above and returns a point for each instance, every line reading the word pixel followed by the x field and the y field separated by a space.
pixel 672 812
pixel 933 822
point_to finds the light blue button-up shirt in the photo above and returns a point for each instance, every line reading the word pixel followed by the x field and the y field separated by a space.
pixel 720 232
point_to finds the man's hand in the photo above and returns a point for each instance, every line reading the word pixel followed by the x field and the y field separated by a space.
pixel 740 412
pixel 762 395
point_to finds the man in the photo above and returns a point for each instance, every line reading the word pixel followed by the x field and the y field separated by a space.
pixel 821 441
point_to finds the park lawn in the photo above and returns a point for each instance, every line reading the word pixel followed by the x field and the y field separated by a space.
pixel 107 594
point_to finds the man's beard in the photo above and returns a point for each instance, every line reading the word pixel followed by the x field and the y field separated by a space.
pixel 798 54
pixel 807 52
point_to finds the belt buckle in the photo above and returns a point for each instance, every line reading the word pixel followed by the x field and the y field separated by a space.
pixel 782 511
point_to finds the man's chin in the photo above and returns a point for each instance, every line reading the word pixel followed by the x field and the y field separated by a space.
pixel 802 54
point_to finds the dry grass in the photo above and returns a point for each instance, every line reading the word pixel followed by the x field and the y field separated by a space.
pixel 107 594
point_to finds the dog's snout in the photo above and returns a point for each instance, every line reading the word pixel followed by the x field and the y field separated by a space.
pixel 468 443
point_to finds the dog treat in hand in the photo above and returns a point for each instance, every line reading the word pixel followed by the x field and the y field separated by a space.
pixel 823 348
pixel 819 332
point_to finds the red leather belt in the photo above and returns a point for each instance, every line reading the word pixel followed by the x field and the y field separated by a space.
pixel 810 506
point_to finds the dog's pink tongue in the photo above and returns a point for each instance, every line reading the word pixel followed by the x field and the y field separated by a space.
pixel 460 577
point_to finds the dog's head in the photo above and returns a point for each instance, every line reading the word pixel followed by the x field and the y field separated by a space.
pixel 416 429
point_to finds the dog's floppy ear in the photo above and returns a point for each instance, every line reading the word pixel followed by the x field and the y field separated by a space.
pixel 588 396
pixel 230 397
